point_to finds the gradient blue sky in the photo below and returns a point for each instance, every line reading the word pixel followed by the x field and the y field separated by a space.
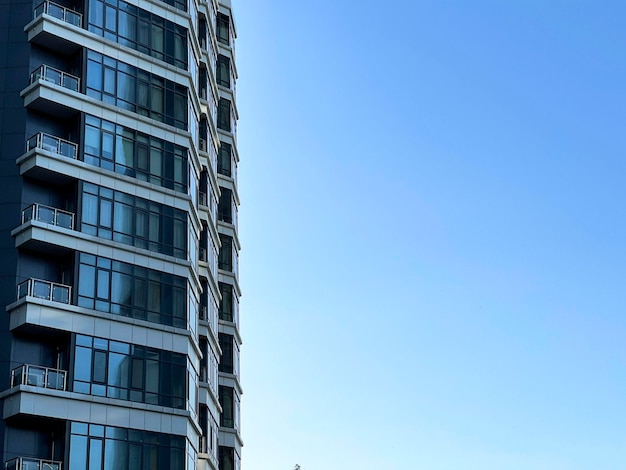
pixel 434 234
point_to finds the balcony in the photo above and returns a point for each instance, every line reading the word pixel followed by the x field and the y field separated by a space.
pixel 49 158
pixel 60 12
pixel 25 463
pixel 55 27
pixel 48 215
pixel 49 91
pixel 45 290
pixel 52 144
pixel 46 230
pixel 56 76
pixel 38 376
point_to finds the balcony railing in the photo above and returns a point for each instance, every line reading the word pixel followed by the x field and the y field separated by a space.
pixel 44 290
pixel 38 376
pixel 25 463
pixel 48 215
pixel 52 144
pixel 58 77
pixel 60 12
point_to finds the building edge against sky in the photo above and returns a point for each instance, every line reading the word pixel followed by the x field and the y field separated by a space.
pixel 119 347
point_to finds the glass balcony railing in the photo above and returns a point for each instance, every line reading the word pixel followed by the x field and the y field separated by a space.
pixel 38 376
pixel 58 77
pixel 48 215
pixel 44 290
pixel 53 144
pixel 25 463
pixel 203 254
pixel 60 12
pixel 204 313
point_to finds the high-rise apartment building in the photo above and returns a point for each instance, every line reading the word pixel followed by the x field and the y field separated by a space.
pixel 119 335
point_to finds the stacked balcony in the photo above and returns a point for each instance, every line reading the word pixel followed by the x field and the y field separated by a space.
pixel 56 27
pixel 49 90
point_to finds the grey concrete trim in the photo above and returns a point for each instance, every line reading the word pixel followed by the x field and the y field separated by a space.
pixel 71 406
pixel 64 317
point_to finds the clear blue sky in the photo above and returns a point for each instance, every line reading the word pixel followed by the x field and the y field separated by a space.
pixel 434 234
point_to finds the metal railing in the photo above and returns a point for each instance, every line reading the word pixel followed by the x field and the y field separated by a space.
pixel 25 463
pixel 48 215
pixel 38 376
pixel 60 12
pixel 44 290
pixel 52 144
pixel 56 76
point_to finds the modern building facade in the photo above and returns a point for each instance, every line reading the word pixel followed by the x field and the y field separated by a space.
pixel 119 339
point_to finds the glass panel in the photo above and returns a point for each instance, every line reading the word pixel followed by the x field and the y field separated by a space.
pixel 67 149
pixel 73 18
pixel 49 143
pixel 55 10
pixel 78 452
pixel 65 220
pixel 103 284
pixel 90 209
pixel 28 213
pixel 86 281
pixel 116 455
pixel 56 380
pixel 53 75
pixel 45 215
pixel 70 82
pixel 36 376
pixel 61 294
pixel 106 209
pixel 95 454
pixel 82 364
pixel 118 370
pixel 99 366
pixel 41 289
pixel 121 288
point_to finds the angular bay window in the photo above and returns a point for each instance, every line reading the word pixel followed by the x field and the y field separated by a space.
pixel 96 447
pixel 226 302
pixel 225 260
pixel 227 360
pixel 128 372
pixel 132 153
pixel 223 29
pixel 223 115
pixel 224 159
pixel 225 206
pixel 136 90
pixel 131 291
pixel 139 29
pixel 223 71
pixel 134 221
